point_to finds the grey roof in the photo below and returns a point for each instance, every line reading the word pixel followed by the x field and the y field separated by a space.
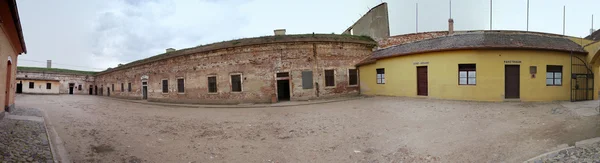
pixel 484 40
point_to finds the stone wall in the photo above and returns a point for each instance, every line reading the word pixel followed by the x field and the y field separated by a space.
pixel 408 38
pixel 375 24
pixel 64 78
pixel 258 64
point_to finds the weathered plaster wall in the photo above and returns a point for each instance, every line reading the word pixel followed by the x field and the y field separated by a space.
pixel 375 23
pixel 408 38
pixel 39 86
pixel 84 80
pixel 258 65
pixel 7 51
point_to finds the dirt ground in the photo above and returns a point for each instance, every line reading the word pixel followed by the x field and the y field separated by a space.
pixel 377 129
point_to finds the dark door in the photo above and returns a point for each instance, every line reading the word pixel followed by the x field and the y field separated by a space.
pixel 70 90
pixel 20 87
pixel 144 92
pixel 422 81
pixel 95 90
pixel 91 90
pixel 511 81
pixel 283 90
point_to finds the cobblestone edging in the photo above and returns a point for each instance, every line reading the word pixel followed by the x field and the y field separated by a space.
pixel 583 151
pixel 24 140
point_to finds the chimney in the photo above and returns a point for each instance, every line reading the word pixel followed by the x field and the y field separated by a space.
pixel 48 63
pixel 450 26
pixel 279 32
pixel 170 50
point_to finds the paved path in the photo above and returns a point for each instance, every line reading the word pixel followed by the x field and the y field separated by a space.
pixel 23 137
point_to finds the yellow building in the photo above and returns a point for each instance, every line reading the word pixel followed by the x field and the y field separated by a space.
pixel 38 86
pixel 483 66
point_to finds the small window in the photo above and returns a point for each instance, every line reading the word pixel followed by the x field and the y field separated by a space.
pixel 352 77
pixel 236 83
pixel 31 85
pixel 180 86
pixel 467 74
pixel 112 87
pixel 553 75
pixel 122 87
pixel 329 78
pixel 48 85
pixel 128 87
pixel 380 76
pixel 283 74
pixel 165 86
pixel 307 80
pixel 79 87
pixel 212 84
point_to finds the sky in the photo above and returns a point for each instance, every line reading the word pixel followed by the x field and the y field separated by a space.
pixel 97 34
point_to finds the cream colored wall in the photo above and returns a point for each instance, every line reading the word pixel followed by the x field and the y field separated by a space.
pixel 400 74
pixel 39 87
pixel 6 51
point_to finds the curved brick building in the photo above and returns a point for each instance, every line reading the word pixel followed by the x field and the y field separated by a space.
pixel 253 70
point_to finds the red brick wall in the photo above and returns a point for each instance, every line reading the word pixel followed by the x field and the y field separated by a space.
pixel 258 65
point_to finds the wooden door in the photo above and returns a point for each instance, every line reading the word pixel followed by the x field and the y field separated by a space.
pixel 511 82
pixel 422 83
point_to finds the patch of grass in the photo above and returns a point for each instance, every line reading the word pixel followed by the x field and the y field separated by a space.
pixel 56 70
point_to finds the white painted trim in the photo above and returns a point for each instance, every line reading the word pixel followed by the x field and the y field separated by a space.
pixel 241 82
pixel 10 59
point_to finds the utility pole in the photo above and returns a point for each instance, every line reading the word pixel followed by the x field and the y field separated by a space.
pixel 490 14
pixel 450 9
pixel 417 18
pixel 564 18
pixel 527 15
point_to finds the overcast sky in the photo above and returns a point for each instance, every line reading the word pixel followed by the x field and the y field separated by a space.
pixel 97 34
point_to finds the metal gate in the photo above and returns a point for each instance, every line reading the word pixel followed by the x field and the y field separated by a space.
pixel 582 80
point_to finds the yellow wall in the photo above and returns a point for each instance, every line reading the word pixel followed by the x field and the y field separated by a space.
pixel 400 75
pixel 39 86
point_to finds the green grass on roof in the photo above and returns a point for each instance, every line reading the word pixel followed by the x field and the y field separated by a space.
pixel 55 70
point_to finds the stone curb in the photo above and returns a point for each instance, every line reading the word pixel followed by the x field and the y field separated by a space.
pixel 236 106
pixel 59 153
pixel 540 158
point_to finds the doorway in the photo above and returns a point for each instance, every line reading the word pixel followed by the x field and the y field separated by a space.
pixel 7 91
pixel 283 90
pixel 422 83
pixel 511 82
pixel 95 90
pixel 144 90
pixel 71 85
pixel 20 87
pixel 91 90
pixel 107 91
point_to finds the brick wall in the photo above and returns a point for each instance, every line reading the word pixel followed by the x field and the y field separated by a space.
pixel 258 64
pixel 408 38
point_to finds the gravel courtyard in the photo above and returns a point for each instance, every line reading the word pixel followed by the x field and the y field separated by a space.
pixel 376 129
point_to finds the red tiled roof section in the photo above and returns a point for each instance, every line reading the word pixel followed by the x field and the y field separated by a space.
pixel 483 40
pixel 408 38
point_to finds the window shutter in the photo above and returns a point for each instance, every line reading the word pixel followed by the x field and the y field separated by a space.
pixel 307 79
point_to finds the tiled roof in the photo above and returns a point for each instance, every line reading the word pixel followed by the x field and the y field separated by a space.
pixel 594 36
pixel 483 40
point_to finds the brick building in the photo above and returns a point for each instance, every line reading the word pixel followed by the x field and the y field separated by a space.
pixel 34 80
pixel 253 70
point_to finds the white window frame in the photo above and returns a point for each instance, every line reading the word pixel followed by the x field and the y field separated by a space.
pixel 176 80
pixel 325 78
pixel 216 84
pixel 468 75
pixel 162 82
pixel 382 81
pixel 357 77
pixel 554 76
pixel 231 82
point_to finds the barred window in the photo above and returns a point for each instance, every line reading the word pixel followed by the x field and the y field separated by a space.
pixel 236 83
pixel 165 86
pixel 180 86
pixel 352 77
pixel 212 84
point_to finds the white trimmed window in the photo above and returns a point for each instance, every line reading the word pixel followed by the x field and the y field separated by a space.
pixel 380 76
pixel 467 74
pixel 553 75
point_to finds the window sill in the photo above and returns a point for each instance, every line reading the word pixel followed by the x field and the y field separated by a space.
pixel 329 87
pixel 381 83
pixel 180 93
pixel 213 93
pixel 554 85
pixel 236 92
pixel 352 85
pixel 467 85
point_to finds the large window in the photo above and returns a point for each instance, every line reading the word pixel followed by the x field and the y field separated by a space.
pixel 467 74
pixel 236 83
pixel 212 84
pixel 31 85
pixel 380 76
pixel 165 86
pixel 128 87
pixel 352 77
pixel 553 75
pixel 329 78
pixel 48 86
pixel 180 86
